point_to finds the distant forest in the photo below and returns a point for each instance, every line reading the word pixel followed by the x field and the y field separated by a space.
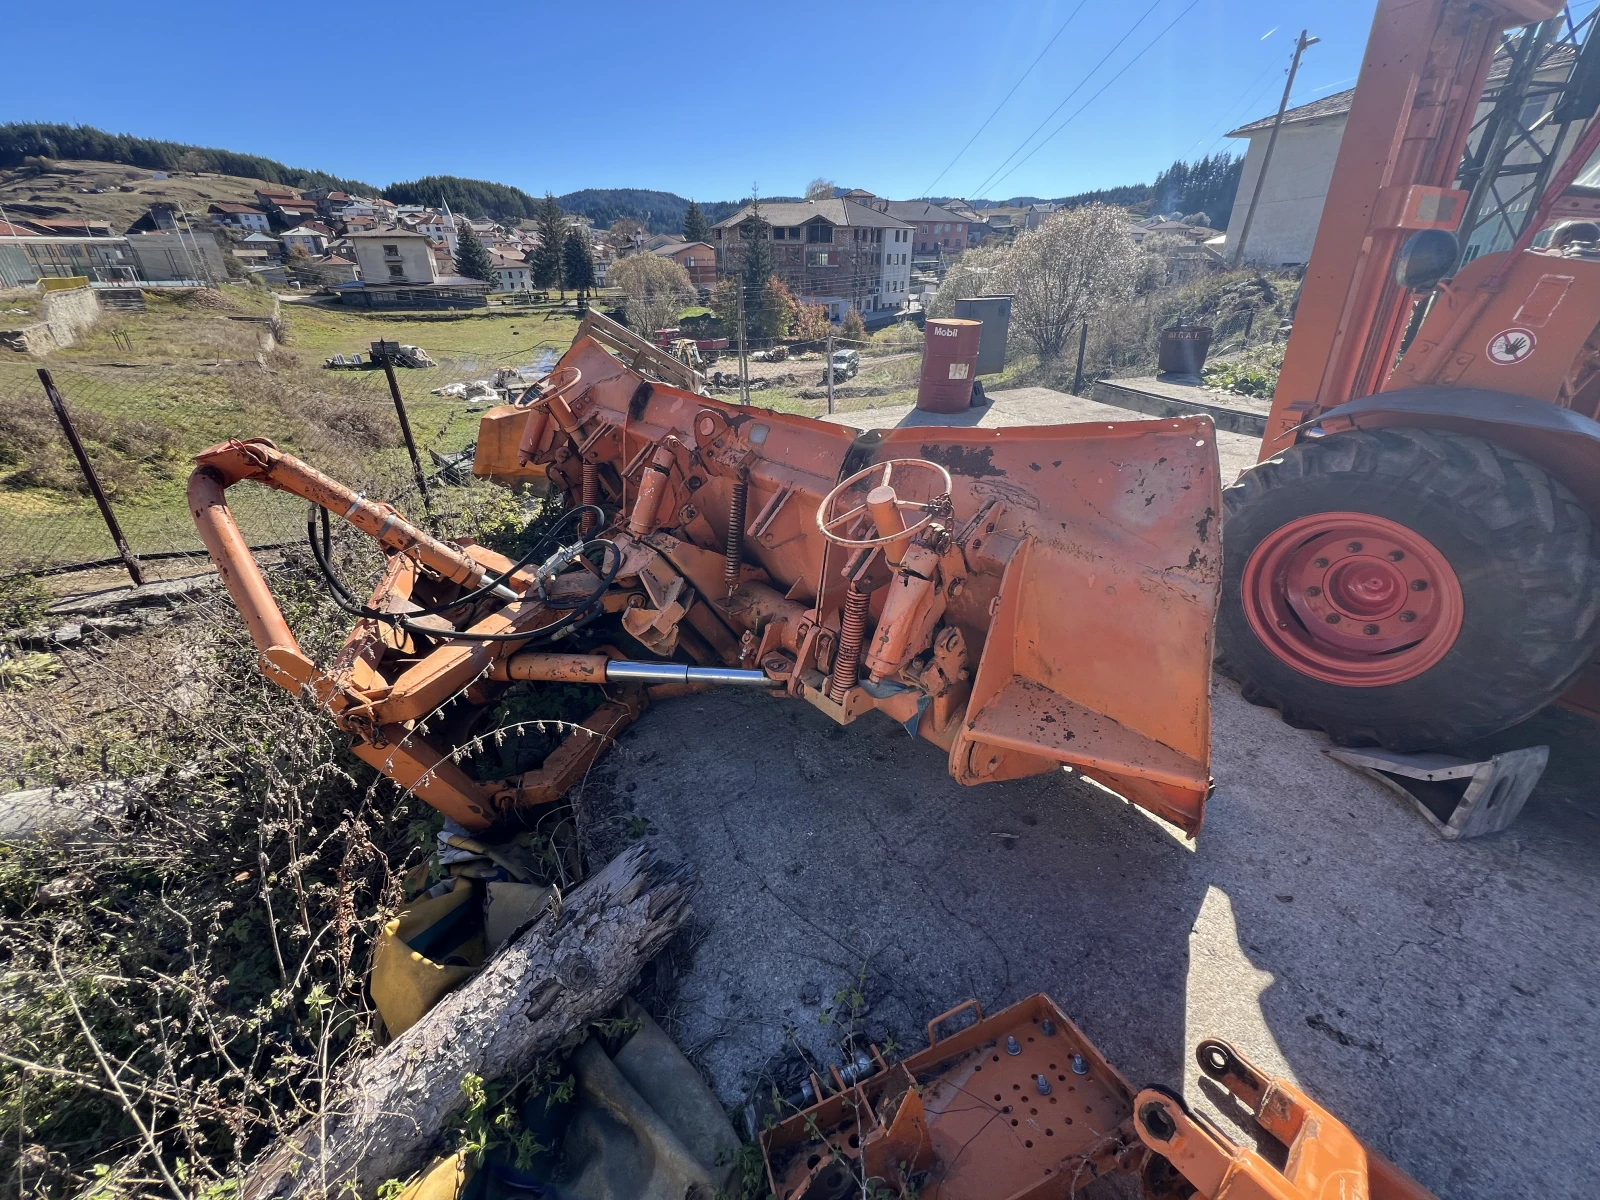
pixel 1207 185
pixel 658 212
pixel 470 197
pixel 19 141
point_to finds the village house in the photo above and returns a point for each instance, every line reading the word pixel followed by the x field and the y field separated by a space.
pixel 510 274
pixel 271 196
pixel 697 258
pixel 440 227
pixel 308 238
pixel 836 253
pixel 258 248
pixel 398 270
pixel 241 216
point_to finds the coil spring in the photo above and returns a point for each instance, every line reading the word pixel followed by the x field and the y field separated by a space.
pixel 733 547
pixel 591 495
pixel 847 658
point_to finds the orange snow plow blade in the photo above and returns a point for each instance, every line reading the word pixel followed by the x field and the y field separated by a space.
pixel 1022 598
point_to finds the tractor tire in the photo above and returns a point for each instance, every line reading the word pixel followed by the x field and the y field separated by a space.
pixel 1413 588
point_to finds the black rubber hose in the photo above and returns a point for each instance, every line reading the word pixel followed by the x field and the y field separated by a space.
pixel 477 593
pixel 320 552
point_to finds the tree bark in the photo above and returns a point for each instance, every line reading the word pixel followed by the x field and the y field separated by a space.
pixel 389 1112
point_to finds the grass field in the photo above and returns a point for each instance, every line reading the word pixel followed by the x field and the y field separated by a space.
pixel 147 390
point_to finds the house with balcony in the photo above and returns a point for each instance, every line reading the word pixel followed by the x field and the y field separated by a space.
pixel 837 253
pixel 398 270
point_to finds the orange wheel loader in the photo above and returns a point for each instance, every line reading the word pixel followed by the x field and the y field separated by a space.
pixel 1414 560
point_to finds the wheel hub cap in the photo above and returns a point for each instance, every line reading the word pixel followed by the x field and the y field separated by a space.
pixel 1352 598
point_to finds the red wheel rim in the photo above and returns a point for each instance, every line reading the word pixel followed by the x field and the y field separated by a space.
pixel 1352 599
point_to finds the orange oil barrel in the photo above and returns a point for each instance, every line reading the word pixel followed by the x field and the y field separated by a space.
pixel 949 364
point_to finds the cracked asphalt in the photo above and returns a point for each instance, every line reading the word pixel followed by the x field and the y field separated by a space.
pixel 1439 997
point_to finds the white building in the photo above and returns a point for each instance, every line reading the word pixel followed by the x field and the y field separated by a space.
pixel 393 256
pixel 511 274
pixel 301 238
pixel 439 227
pixel 1296 186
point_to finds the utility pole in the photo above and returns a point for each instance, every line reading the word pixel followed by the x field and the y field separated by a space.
pixel 1272 141
pixel 827 368
pixel 744 368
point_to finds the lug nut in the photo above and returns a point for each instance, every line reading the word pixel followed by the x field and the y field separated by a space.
pixel 1012 1045
pixel 1419 585
pixel 1408 616
pixel 1080 1065
pixel 1319 562
pixel 1043 1084
pixel 1354 547
pixel 1332 618
pixel 1047 1027
pixel 1396 555
pixel 1369 629
pixel 1313 591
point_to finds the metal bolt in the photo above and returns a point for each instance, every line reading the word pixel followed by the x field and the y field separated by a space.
pixel 1283 624
pixel 1047 1027
pixel 1319 562
pixel 1408 616
pixel 1080 1065
pixel 1354 547
pixel 1396 555
pixel 1043 1084
pixel 1419 585
pixel 1332 618
pixel 1369 629
pixel 1313 591
pixel 1012 1045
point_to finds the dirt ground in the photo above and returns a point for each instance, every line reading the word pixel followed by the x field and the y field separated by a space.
pixel 1316 922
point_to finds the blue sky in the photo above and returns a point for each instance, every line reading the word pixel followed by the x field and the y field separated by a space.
pixel 699 99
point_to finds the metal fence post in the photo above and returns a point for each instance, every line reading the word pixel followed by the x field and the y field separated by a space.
pixel 110 518
pixel 1083 344
pixel 405 431
pixel 827 369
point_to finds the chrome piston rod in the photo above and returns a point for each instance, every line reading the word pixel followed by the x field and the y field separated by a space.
pixel 670 672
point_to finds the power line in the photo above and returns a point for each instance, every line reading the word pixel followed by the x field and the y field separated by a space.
pixel 1148 46
pixel 979 191
pixel 928 191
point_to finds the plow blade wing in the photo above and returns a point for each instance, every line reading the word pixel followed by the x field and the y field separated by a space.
pixel 1097 647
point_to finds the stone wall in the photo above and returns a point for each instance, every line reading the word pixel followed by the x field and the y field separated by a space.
pixel 67 313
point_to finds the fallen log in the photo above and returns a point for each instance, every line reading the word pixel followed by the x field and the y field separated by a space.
pixel 389 1112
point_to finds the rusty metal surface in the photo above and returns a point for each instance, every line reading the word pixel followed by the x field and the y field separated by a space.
pixel 1323 1159
pixel 1023 598
pixel 985 1130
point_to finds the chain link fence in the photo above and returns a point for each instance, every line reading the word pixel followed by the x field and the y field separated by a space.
pixel 146 391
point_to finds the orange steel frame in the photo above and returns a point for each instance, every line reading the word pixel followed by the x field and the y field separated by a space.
pixel 1021 1105
pixel 1054 608
pixel 1424 70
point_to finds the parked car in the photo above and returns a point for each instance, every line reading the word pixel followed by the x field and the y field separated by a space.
pixel 844 365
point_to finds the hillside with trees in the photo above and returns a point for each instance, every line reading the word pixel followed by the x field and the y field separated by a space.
pixel 470 197
pixel 20 141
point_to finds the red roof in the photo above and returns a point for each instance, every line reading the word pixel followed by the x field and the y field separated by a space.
pixel 224 206
pixel 9 230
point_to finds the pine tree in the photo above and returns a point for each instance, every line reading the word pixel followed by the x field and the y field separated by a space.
pixel 695 226
pixel 552 229
pixel 577 265
pixel 472 260
pixel 755 270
